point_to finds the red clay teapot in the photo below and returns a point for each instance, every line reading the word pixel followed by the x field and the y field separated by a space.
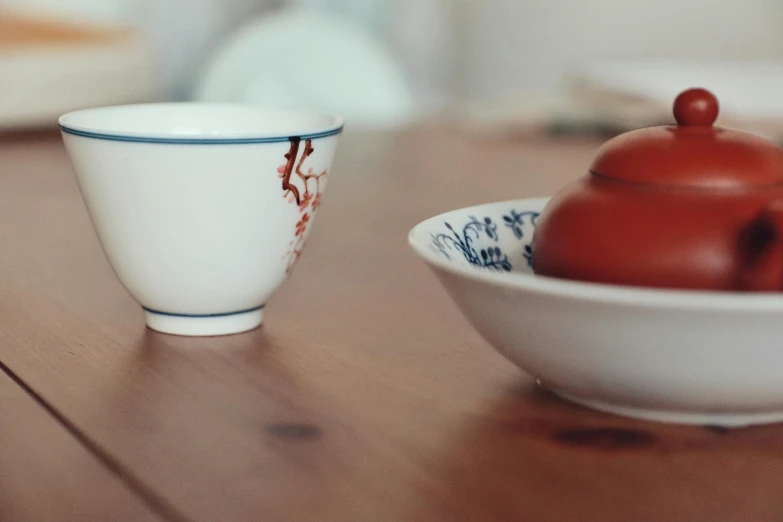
pixel 687 206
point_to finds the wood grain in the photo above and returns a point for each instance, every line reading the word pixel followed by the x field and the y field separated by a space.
pixel 47 475
pixel 365 395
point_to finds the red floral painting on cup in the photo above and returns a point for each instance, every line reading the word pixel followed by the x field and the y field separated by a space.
pixel 302 187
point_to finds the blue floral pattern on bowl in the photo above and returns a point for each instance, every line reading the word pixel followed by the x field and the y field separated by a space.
pixel 481 242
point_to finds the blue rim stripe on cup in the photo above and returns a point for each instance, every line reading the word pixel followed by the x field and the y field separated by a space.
pixel 199 141
pixel 225 314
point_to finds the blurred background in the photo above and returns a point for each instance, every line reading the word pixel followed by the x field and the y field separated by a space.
pixel 487 65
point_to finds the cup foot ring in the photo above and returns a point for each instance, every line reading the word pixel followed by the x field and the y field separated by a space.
pixel 204 325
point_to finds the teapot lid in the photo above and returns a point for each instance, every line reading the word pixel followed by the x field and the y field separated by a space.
pixel 693 153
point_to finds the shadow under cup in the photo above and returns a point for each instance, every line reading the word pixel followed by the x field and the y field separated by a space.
pixel 201 209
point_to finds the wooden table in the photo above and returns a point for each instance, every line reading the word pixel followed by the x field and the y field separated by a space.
pixel 364 397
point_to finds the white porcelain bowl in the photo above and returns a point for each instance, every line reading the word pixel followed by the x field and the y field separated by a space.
pixel 674 356
pixel 202 209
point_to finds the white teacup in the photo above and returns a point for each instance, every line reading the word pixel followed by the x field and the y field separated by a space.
pixel 202 209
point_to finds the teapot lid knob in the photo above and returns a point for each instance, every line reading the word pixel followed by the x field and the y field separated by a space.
pixel 696 107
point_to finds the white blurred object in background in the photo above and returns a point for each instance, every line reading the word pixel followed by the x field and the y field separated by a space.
pixel 373 15
pixel 529 46
pixel 747 89
pixel 418 34
pixel 187 31
pixel 381 62
pixel 302 58
pixel 426 54
pixel 422 33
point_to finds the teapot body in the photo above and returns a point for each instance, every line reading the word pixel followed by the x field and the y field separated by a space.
pixel 602 230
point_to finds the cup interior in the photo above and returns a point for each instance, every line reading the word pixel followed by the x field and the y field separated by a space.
pixel 188 120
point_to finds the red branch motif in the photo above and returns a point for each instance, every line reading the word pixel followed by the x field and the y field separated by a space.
pixel 300 194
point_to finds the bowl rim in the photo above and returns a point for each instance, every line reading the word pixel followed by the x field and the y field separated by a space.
pixel 602 293
pixel 69 123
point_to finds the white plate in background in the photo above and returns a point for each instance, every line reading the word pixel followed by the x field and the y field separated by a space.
pixel 309 60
